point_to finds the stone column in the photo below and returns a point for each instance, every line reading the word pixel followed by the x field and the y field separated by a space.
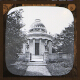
pixel 50 47
pixel 39 46
pixel 34 46
pixel 46 41
pixel 27 55
pixel 28 41
pixel 24 48
pixel 46 44
pixel 46 52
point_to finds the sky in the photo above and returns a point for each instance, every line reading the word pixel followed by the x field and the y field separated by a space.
pixel 54 18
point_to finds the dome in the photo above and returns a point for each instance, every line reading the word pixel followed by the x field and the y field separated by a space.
pixel 37 23
pixel 37 26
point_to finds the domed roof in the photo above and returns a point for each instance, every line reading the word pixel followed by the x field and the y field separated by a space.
pixel 37 26
pixel 37 23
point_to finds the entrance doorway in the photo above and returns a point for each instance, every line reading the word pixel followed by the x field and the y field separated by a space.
pixel 36 48
pixel 37 57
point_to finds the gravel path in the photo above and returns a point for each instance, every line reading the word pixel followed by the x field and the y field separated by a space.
pixel 37 71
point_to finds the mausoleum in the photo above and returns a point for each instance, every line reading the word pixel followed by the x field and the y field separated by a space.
pixel 38 42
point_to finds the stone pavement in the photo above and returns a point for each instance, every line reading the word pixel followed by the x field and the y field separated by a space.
pixel 37 71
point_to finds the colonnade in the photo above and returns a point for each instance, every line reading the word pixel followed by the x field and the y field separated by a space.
pixel 48 42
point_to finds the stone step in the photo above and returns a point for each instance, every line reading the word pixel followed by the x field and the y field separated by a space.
pixel 36 63
pixel 36 59
pixel 37 56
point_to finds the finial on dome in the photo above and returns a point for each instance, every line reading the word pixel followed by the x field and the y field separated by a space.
pixel 37 20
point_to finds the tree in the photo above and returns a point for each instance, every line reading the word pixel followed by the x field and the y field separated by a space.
pixel 13 39
pixel 68 43
pixel 65 41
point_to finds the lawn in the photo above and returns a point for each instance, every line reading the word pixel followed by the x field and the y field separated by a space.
pixel 59 67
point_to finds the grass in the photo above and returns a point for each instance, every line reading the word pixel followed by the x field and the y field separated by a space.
pixel 17 67
pixel 59 67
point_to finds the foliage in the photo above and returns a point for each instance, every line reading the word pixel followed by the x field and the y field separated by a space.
pixel 64 42
pixel 13 39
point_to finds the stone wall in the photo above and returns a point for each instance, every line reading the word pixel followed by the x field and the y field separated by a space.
pixel 55 57
pixel 24 57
